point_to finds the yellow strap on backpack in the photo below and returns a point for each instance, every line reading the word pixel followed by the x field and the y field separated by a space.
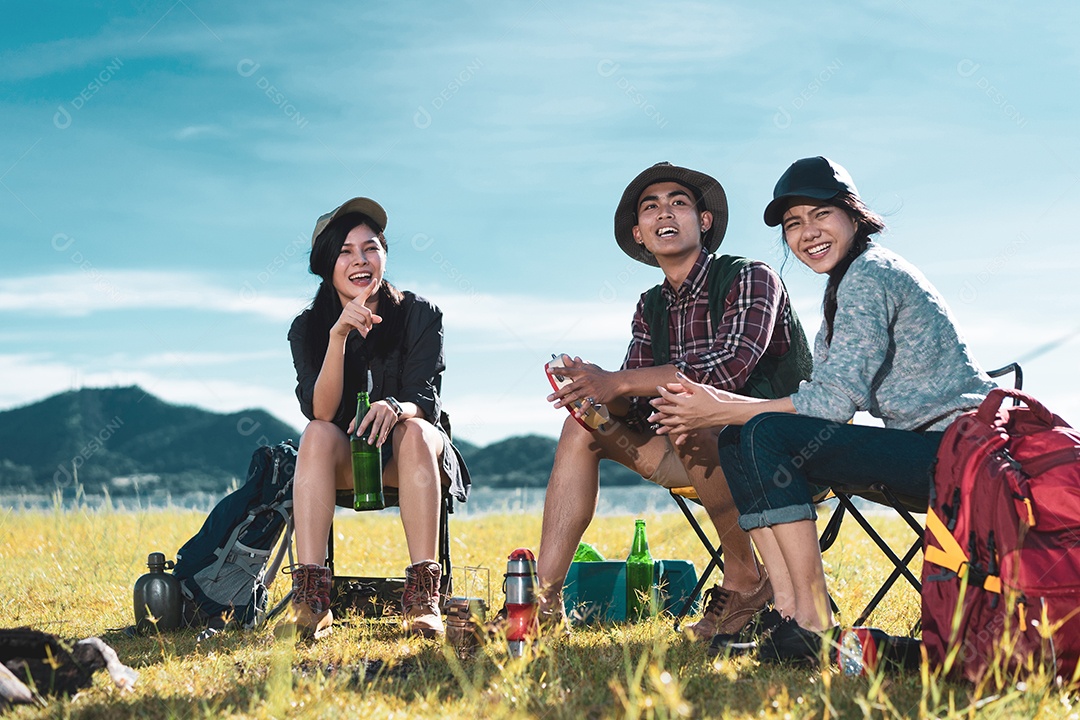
pixel 950 555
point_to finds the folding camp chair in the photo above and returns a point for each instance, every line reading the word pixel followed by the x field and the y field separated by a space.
pixel 904 506
pixel 716 561
pixel 379 595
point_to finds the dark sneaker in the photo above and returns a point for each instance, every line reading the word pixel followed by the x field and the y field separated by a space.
pixel 763 624
pixel 728 612
pixel 789 643
pixel 743 642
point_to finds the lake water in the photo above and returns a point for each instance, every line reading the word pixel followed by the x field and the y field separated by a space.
pixel 614 500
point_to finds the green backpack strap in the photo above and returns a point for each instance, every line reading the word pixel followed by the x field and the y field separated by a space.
pixel 655 314
pixel 773 376
pixel 722 272
pixel 779 376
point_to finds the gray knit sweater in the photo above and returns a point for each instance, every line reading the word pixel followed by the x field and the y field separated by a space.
pixel 896 351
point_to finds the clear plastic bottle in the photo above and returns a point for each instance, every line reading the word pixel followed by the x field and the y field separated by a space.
pixel 865 649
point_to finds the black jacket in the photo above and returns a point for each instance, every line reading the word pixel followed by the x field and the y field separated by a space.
pixel 410 372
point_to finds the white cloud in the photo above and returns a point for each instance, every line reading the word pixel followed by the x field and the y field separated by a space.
pixel 31 377
pixel 203 359
pixel 496 348
pixel 197 131
pixel 509 320
pixel 491 392
pixel 485 418
pixel 501 321
pixel 99 289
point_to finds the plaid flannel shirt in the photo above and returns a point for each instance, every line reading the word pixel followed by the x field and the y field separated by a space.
pixel 719 353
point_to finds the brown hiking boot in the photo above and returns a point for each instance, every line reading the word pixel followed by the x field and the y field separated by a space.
pixel 728 612
pixel 551 614
pixel 420 601
pixel 309 613
pixel 554 623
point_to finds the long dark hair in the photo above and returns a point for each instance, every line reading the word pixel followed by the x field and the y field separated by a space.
pixel 326 305
pixel 867 223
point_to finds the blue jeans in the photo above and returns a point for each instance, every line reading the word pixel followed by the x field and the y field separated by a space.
pixel 777 462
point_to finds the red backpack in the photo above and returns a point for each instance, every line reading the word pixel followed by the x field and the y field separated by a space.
pixel 1001 570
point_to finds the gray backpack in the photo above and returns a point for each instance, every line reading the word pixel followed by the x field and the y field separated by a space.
pixel 225 568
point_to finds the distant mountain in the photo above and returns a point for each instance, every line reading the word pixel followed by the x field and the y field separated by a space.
pixel 125 440
pixel 525 461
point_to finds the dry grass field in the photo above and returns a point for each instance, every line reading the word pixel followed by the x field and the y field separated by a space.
pixel 71 573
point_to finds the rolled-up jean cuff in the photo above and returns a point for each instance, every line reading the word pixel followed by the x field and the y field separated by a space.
pixel 777 516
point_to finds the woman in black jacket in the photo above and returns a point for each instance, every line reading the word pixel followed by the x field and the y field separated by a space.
pixel 359 322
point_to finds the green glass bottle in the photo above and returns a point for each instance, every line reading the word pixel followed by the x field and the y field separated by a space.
pixel 641 596
pixel 366 463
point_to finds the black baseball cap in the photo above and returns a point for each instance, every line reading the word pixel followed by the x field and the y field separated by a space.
pixel 818 178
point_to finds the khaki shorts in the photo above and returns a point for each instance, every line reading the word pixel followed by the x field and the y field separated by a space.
pixel 670 473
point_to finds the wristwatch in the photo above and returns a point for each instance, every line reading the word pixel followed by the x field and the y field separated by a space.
pixel 395 406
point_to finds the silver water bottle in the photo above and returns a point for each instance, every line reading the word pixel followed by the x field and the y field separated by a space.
pixel 522 624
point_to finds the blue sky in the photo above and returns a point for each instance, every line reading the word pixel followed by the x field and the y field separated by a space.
pixel 162 165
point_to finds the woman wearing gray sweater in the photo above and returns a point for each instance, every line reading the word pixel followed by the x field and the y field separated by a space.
pixel 888 345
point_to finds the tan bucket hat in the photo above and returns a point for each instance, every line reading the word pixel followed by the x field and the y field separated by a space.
pixel 710 194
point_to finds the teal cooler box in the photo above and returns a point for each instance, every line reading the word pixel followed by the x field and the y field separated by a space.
pixel 595 592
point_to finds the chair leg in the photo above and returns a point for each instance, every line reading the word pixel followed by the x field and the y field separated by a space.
pixel 715 552
pixel 893 577
pixel 694 593
pixel 330 550
pixel 914 524
pixel 832 528
pixel 447 582
pixel 716 560
pixel 899 565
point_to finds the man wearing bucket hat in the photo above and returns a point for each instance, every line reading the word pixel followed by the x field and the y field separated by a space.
pixel 888 346
pixel 720 320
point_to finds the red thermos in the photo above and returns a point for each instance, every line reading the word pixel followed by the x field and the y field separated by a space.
pixel 522 624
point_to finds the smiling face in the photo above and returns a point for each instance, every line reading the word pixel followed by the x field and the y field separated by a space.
pixel 360 265
pixel 819 235
pixel 669 224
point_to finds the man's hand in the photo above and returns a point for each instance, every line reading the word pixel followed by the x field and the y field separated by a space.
pixel 590 384
pixel 686 406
